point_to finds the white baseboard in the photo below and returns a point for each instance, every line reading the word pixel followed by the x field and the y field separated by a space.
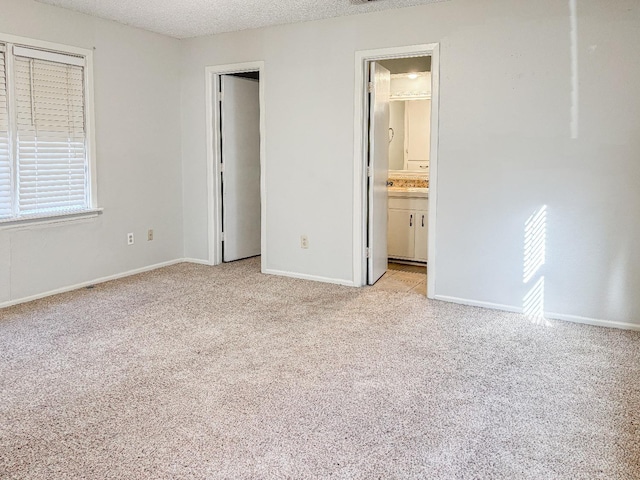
pixel 549 315
pixel 593 321
pixel 314 278
pixel 348 283
pixel 198 261
pixel 475 303
pixel 77 286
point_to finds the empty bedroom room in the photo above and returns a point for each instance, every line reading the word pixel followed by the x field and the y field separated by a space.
pixel 190 284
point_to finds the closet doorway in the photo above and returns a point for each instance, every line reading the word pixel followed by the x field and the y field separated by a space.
pixel 235 126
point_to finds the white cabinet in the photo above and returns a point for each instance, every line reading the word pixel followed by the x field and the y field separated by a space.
pixel 418 133
pixel 401 238
pixel 408 226
pixel 421 237
pixel 418 166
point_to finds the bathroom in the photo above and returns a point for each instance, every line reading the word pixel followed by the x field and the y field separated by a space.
pixel 408 179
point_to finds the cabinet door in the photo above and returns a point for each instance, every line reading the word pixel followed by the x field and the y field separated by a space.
pixel 401 236
pixel 418 130
pixel 421 236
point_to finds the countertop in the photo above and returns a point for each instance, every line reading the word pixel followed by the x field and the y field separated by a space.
pixel 408 192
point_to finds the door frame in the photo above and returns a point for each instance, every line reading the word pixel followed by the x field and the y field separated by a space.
pixel 361 150
pixel 214 155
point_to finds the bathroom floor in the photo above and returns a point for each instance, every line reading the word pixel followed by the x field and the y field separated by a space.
pixel 404 278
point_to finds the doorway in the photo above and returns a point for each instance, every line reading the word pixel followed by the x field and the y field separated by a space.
pixel 236 162
pixel 376 209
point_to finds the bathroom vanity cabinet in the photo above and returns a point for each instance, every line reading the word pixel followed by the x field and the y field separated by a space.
pixel 408 224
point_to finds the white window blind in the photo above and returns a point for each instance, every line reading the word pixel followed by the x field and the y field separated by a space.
pixel 51 156
pixel 5 160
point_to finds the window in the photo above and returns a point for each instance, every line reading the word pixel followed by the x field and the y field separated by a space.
pixel 45 164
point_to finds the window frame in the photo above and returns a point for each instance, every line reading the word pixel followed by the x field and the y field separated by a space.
pixel 10 41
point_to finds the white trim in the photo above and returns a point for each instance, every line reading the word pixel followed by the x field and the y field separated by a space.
pixel 58 218
pixel 360 150
pixel 548 315
pixel 90 139
pixel 433 170
pixel 212 81
pixel 43 45
pixel 593 321
pixel 77 286
pixel 314 278
pixel 444 298
pixel 56 57
pixel 13 129
pixel 476 303
pixel 21 46
pixel 198 261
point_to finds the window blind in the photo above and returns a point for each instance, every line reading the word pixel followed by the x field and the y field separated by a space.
pixel 51 152
pixel 5 161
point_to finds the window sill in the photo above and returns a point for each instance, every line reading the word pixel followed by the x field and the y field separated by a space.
pixel 49 220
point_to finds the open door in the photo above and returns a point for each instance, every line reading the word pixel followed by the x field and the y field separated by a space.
pixel 378 170
pixel 240 137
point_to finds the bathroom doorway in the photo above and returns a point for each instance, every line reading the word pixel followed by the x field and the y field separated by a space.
pixel 396 164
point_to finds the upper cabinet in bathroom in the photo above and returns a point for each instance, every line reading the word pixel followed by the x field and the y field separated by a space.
pixel 418 133
pixel 410 122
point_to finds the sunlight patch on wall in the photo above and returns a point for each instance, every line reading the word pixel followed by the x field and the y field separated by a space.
pixel 533 302
pixel 535 233
pixel 535 244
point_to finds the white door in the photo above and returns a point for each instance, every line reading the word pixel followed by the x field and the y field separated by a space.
pixel 380 79
pixel 240 119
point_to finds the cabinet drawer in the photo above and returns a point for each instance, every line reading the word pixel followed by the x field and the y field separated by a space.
pixel 418 166
pixel 409 203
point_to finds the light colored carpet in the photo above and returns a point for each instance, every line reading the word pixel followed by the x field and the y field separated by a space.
pixel 201 372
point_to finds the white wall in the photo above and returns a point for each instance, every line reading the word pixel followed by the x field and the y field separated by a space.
pixel 506 145
pixel 137 106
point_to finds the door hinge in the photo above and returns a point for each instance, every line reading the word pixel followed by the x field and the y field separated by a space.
pixel 220 96
pixel 368 171
pixel 368 252
pixel 222 236
pixel 370 87
pixel 221 167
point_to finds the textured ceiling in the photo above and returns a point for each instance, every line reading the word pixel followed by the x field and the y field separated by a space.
pixel 192 18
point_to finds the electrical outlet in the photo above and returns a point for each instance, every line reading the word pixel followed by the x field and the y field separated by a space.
pixel 130 239
pixel 150 235
pixel 304 241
